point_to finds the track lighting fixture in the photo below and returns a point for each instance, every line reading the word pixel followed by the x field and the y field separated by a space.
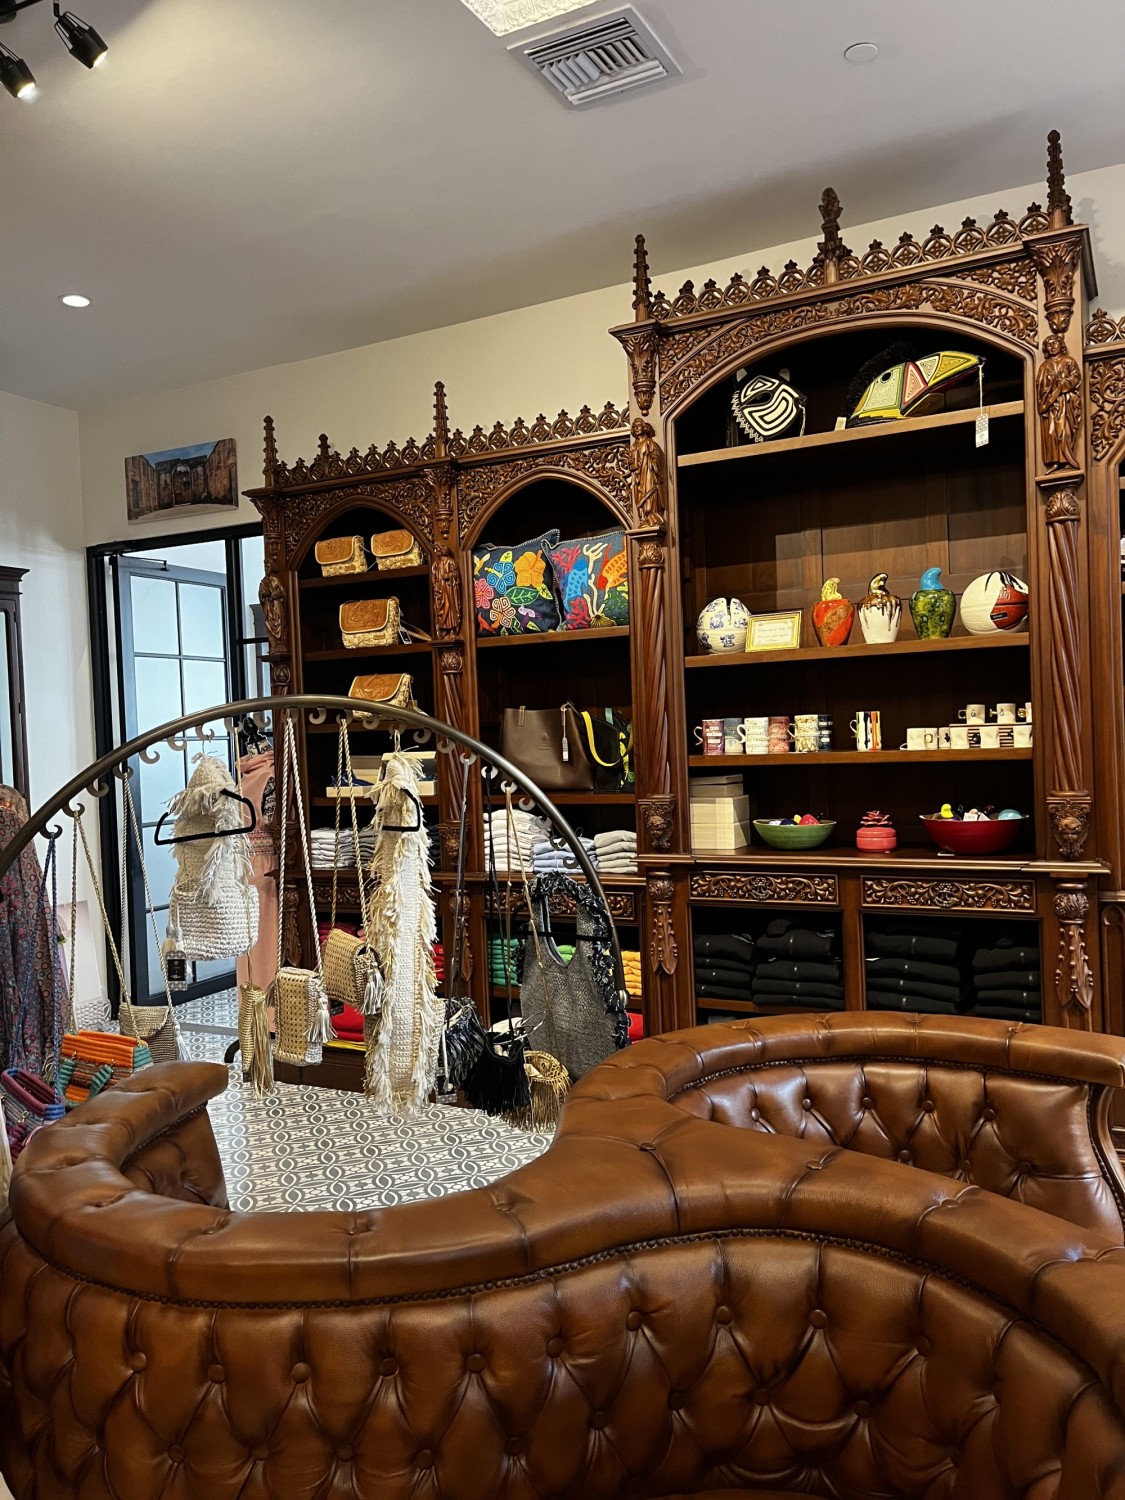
pixel 16 76
pixel 80 39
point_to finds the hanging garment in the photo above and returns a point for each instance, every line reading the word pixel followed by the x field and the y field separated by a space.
pixel 213 911
pixel 258 787
pixel 403 1039
pixel 34 999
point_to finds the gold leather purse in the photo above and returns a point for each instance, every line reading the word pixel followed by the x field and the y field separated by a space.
pixel 395 549
pixel 341 554
pixel 394 688
pixel 370 622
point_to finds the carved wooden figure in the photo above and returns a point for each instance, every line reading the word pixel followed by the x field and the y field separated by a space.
pixel 1058 400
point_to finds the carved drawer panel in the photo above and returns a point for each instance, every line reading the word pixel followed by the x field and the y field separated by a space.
pixel 622 905
pixel 767 890
pixel 950 895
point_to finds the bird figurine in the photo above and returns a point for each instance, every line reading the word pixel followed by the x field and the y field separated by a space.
pixel 880 613
pixel 832 615
pixel 932 607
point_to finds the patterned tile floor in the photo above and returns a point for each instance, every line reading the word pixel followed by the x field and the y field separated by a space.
pixel 305 1148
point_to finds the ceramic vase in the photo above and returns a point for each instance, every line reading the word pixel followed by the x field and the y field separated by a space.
pixel 880 613
pixel 876 833
pixel 992 602
pixel 932 607
pixel 833 616
pixel 722 626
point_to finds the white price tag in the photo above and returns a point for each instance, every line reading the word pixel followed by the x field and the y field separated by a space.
pixel 982 430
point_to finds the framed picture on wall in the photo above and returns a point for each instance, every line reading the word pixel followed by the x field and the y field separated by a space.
pixel 202 477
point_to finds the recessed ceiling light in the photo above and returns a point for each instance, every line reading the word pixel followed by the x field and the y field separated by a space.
pixel 74 299
pixel 861 52
pixel 503 16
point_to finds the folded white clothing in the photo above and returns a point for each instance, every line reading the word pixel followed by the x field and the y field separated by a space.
pixel 615 838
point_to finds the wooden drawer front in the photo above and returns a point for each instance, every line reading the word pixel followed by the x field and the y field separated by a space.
pixel 766 890
pixel 949 895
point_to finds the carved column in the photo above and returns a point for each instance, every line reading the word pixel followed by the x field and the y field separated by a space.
pixel 657 806
pixel 1074 980
pixel 662 952
pixel 1069 804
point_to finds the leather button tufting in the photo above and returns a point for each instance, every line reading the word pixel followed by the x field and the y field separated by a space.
pixel 634 1321
pixel 866 1103
pixel 806 1104
pixel 261 1453
pixel 216 1374
pixel 928 1107
pixel 817 1318
pixel 923 1345
pixel 904 1156
pixel 346 1454
pixel 475 1362
pixel 755 1115
pixel 388 1367
pixel 1024 1168
pixel 724 1315
pixel 966 1165
pixel 676 1400
pixel 300 1373
pixel 554 1347
pixel 988 1114
pixel 138 1362
pixel 513 1446
pixel 762 1396
pixel 862 1408
pixel 176 1453
pixel 425 1459
pixel 599 1420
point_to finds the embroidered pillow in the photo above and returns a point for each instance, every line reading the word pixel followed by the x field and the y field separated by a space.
pixel 592 577
pixel 512 587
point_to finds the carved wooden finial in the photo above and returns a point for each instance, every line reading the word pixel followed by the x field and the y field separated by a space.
pixel 441 421
pixel 271 452
pixel 642 286
pixel 831 248
pixel 1058 199
pixel 323 447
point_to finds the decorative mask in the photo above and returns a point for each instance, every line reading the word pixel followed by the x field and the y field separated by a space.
pixel 903 390
pixel 767 407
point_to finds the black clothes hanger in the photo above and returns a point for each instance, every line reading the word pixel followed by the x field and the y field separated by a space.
pixel 194 838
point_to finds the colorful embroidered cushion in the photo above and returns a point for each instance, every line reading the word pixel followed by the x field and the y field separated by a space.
pixel 512 587
pixel 592 577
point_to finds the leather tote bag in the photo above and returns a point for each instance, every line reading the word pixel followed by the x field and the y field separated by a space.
pixel 549 745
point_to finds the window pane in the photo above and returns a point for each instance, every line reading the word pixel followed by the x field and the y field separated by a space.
pixel 253 559
pixel 154 616
pixel 205 685
pixel 161 781
pixel 157 682
pixel 201 620
pixel 7 707
pixel 161 866
pixel 214 968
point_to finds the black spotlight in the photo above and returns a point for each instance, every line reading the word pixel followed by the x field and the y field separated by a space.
pixel 80 39
pixel 15 75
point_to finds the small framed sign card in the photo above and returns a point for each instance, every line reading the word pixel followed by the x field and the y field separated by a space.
pixel 775 632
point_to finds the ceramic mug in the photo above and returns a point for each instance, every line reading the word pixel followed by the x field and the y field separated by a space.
pixel 867 728
pixel 958 736
pixel 806 733
pixel 778 734
pixel 989 738
pixel 1025 712
pixel 920 739
pixel 1021 736
pixel 974 736
pixel 754 734
pixel 732 740
pixel 1004 713
pixel 824 731
pixel 944 738
pixel 710 735
pixel 972 713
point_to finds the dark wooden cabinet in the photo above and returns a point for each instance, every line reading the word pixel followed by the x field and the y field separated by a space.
pixel 13 725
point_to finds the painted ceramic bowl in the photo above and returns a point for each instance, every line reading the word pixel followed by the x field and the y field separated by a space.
pixel 722 626
pixel 793 835
pixel 990 836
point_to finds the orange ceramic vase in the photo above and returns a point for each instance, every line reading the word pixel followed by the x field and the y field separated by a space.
pixel 833 616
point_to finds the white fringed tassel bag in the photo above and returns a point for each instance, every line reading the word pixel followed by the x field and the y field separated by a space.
pixel 210 914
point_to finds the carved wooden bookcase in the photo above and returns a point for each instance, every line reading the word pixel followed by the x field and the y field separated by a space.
pixel 707 517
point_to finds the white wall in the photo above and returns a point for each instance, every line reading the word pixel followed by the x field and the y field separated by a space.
pixel 518 363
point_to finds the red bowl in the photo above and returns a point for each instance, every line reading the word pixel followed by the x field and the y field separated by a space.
pixel 990 837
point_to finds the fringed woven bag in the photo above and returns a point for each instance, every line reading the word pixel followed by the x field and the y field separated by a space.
pixel 213 912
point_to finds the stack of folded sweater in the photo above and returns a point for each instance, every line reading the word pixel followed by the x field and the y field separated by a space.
pixel 1006 982
pixel 512 852
pixel 325 853
pixel 631 963
pixel 919 967
pixel 552 854
pixel 724 965
pixel 503 961
pixel 797 968
pixel 439 964
pixel 616 852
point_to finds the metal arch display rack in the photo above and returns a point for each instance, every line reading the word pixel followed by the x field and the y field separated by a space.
pixel 370 713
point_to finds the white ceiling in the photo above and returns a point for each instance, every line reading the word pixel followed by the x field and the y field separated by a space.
pixel 254 181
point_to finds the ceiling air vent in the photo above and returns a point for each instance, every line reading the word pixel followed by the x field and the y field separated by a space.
pixel 600 58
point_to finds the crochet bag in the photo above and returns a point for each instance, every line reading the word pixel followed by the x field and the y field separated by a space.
pixel 213 911
pixel 395 688
pixel 95 1060
pixel 395 549
pixel 370 622
pixel 341 554
pixel 28 1104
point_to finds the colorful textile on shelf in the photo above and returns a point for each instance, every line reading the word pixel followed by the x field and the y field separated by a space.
pixel 512 587
pixel 29 1027
pixel 592 576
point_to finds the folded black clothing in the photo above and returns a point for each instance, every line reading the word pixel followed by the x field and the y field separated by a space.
pixel 778 1004
pixel 1008 1013
pixel 722 974
pixel 914 968
pixel 782 939
pixel 1005 955
pixel 787 968
pixel 953 993
pixel 931 943
pixel 722 992
pixel 908 1004
pixel 1007 979
pixel 1022 998
pixel 796 987
pixel 735 947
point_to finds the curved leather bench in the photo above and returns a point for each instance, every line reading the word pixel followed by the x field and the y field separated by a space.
pixel 660 1306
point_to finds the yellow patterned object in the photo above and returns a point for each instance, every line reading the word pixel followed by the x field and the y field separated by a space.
pixel 908 389
pixel 395 688
pixel 395 549
pixel 370 622
pixel 341 554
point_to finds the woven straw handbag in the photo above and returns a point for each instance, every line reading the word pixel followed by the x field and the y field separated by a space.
pixel 152 1024
pixel 395 688
pixel 370 622
pixel 297 1004
pixel 395 549
pixel 341 554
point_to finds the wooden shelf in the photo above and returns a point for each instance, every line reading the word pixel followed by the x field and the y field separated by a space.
pixel 349 580
pixel 369 653
pixel 428 799
pixel 854 758
pixel 915 859
pixel 878 430
pixel 833 654
pixel 554 637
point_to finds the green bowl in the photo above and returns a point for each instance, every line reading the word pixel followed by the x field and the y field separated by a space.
pixel 794 835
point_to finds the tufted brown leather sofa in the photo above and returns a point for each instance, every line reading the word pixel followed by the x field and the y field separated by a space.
pixel 661 1306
